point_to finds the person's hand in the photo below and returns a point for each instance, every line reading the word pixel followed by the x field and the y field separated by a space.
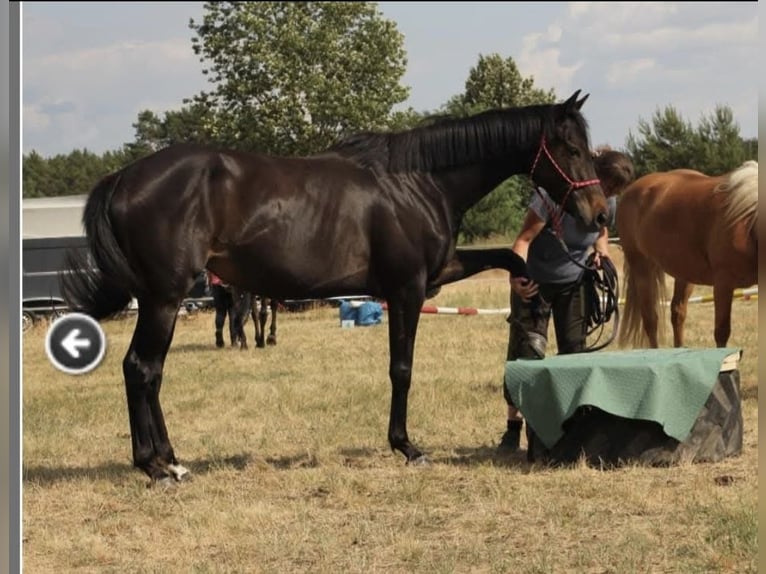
pixel 524 288
pixel 598 256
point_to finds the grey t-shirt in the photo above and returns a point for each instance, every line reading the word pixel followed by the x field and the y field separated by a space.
pixel 546 261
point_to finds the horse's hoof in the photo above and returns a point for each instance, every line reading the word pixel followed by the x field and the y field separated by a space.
pixel 421 461
pixel 180 473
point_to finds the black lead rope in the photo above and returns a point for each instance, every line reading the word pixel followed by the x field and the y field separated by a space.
pixel 602 295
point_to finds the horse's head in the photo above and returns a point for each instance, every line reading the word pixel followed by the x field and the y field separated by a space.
pixel 564 164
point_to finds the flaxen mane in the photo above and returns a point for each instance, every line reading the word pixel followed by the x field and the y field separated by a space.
pixel 741 189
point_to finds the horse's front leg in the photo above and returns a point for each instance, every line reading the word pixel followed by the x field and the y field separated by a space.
pixel 723 295
pixel 682 290
pixel 467 262
pixel 403 313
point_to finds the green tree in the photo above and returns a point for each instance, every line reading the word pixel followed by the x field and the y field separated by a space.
pixel 35 175
pixel 722 147
pixel 670 142
pixel 291 77
pixel 667 142
pixel 496 82
pixel 192 123
pixel 70 174
pixel 751 148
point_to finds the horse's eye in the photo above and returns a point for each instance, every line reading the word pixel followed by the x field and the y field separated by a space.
pixel 574 152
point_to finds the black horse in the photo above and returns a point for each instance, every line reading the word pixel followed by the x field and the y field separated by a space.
pixel 259 308
pixel 377 214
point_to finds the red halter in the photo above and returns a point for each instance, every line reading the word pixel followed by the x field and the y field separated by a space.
pixel 557 214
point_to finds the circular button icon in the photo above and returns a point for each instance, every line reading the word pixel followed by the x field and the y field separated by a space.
pixel 75 343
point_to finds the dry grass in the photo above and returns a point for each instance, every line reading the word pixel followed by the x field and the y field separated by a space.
pixel 293 472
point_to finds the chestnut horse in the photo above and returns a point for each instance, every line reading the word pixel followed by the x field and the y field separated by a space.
pixel 698 229
pixel 378 214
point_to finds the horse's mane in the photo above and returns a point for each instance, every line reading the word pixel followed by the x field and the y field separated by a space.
pixel 741 189
pixel 448 141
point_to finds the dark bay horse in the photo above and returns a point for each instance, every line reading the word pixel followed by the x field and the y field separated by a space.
pixel 259 308
pixel 378 214
pixel 699 230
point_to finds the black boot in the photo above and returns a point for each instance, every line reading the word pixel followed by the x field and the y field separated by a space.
pixel 512 436
pixel 219 339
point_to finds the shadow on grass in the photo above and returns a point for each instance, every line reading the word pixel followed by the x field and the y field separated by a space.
pixel 204 347
pixel 449 455
pixel 196 347
pixel 114 471
pixel 483 455
pixel 359 458
pixel 46 475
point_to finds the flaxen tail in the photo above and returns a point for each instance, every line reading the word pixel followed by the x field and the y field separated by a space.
pixel 106 289
pixel 650 287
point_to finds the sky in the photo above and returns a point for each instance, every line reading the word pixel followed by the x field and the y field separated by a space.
pixel 89 68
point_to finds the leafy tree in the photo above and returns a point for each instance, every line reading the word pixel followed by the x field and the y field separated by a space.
pixel 721 146
pixel 405 119
pixel 35 175
pixel 291 77
pixel 751 148
pixel 670 142
pixel 192 123
pixel 495 82
pixel 667 142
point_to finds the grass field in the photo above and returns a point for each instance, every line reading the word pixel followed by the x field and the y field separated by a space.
pixel 292 470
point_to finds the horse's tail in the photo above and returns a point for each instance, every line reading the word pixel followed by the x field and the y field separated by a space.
pixel 631 325
pixel 106 289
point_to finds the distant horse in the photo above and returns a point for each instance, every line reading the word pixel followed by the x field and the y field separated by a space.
pixel 696 228
pixel 246 303
pixel 377 214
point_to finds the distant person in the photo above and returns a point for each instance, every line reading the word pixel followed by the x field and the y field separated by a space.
pixel 555 278
pixel 224 306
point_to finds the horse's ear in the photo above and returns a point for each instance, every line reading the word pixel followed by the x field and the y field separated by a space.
pixel 572 101
pixel 579 104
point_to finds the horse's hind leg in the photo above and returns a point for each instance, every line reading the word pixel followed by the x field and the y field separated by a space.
pixel 272 338
pixel 647 291
pixel 142 367
pixel 682 290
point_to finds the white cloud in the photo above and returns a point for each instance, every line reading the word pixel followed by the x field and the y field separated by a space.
pixel 118 64
pixel 540 57
pixel 637 57
pixel 629 71
pixel 34 119
pixel 606 16
pixel 665 39
pixel 78 95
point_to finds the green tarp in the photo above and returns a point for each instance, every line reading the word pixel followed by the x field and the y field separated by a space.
pixel 668 386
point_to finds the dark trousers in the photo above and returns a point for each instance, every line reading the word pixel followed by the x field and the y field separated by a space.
pixel 224 306
pixel 529 323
